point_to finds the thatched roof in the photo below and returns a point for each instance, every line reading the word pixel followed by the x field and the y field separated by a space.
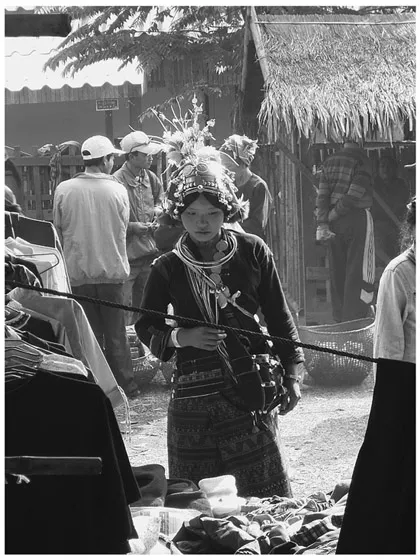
pixel 340 78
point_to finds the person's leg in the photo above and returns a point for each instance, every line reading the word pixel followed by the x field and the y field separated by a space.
pixel 142 274
pixel 93 312
pixel 353 306
pixel 117 347
pixel 128 293
pixel 337 257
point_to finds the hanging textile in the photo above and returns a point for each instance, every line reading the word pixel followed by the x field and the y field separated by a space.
pixel 52 414
pixel 83 343
pixel 48 261
pixel 66 317
pixel 40 232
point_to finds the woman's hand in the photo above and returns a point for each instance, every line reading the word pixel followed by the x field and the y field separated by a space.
pixel 292 396
pixel 205 338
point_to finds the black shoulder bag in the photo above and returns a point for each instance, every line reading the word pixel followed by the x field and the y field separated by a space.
pixel 256 377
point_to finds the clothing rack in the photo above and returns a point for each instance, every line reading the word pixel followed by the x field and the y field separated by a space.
pixel 30 465
pixel 39 232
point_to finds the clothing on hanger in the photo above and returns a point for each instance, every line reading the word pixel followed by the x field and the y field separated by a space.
pixel 43 326
pixel 43 344
pixel 19 273
pixel 35 231
pixel 83 343
pixel 19 352
pixel 10 256
pixel 10 332
pixel 15 317
pixel 48 260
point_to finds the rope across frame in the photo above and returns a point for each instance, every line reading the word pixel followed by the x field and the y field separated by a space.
pixel 192 321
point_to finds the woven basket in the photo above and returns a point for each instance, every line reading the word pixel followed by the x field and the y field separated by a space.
pixel 144 367
pixel 143 370
pixel 167 369
pixel 355 337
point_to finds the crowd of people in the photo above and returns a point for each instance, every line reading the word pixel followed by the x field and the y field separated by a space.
pixel 199 248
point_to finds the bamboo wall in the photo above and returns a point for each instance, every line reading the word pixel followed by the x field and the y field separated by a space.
pixel 285 228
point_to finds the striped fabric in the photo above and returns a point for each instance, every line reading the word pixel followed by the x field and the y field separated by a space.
pixel 368 268
pixel 208 436
pixel 345 183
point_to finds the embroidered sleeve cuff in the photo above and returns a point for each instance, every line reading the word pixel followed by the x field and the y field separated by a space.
pixel 174 337
pixel 159 345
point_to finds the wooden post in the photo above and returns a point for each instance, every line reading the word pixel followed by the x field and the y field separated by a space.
pixel 259 47
pixel 302 167
pixel 245 55
pixel 301 224
pixel 36 177
pixel 135 108
pixel 386 209
pixel 72 168
pixel 109 127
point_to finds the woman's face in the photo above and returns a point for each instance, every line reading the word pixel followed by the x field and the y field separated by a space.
pixel 202 220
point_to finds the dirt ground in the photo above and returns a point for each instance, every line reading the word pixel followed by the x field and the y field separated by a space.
pixel 322 436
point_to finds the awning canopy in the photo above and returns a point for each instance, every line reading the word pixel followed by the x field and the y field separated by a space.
pixel 27 82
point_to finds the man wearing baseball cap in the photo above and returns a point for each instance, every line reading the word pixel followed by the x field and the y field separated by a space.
pixel 145 193
pixel 90 212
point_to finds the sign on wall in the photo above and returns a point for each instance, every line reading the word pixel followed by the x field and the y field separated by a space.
pixel 107 104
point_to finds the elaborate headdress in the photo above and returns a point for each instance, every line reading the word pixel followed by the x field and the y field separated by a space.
pixel 198 166
pixel 240 147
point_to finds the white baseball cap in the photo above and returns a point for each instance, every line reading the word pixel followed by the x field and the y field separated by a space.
pixel 139 141
pixel 98 146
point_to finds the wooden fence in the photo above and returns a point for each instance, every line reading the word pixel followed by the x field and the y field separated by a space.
pixel 284 230
pixel 36 187
pixel 36 190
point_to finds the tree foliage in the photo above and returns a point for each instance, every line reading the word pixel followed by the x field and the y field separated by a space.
pixel 150 35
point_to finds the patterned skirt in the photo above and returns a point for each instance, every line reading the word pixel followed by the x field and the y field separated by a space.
pixel 210 434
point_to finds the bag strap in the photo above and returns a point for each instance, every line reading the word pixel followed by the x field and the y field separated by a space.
pixel 239 354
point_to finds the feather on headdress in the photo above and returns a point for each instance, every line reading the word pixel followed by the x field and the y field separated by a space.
pixel 198 166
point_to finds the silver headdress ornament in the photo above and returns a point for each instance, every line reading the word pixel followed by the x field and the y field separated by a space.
pixel 198 166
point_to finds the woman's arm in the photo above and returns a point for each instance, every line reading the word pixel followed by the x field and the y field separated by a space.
pixel 388 340
pixel 151 328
